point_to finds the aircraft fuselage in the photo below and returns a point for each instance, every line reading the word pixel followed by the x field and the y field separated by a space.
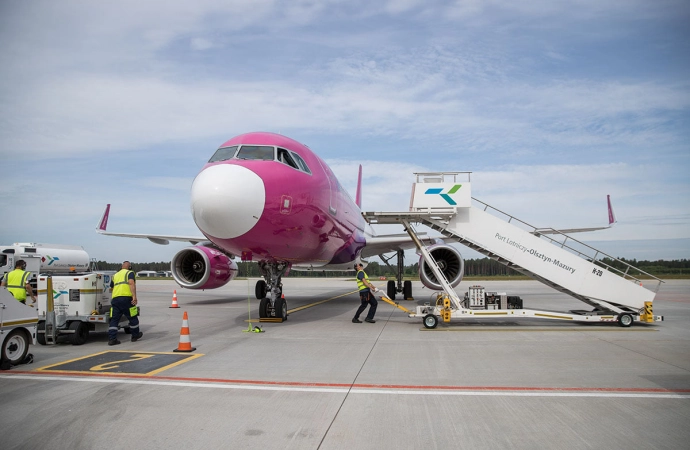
pixel 266 197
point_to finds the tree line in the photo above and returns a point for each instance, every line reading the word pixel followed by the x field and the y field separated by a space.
pixel 473 267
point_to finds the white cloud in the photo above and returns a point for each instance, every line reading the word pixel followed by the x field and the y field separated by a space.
pixel 538 98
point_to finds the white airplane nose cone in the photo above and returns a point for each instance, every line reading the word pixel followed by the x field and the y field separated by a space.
pixel 227 200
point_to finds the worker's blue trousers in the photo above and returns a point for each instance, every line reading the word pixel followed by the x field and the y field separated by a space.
pixel 120 306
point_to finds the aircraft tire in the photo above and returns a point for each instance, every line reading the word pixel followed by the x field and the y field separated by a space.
pixel 281 308
pixel 263 308
pixel 260 289
pixel 390 290
pixel 407 290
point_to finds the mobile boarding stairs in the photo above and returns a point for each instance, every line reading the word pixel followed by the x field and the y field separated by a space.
pixel 445 204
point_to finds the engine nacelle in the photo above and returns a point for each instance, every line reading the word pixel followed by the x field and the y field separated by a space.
pixel 201 267
pixel 449 261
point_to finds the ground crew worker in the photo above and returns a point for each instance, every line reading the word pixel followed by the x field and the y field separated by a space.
pixel 124 302
pixel 17 282
pixel 365 296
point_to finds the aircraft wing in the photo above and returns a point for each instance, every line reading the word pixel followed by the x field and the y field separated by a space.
pixel 155 238
pixel 612 221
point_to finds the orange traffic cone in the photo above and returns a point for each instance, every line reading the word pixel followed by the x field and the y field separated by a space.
pixel 185 344
pixel 174 302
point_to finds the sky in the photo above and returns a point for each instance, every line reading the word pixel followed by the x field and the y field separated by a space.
pixel 550 105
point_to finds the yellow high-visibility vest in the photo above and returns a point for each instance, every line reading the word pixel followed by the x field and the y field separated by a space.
pixel 16 283
pixel 121 284
pixel 360 284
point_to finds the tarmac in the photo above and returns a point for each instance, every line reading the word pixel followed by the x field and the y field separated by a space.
pixel 318 381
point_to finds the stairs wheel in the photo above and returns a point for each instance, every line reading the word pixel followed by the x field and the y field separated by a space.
pixel 625 320
pixel 430 321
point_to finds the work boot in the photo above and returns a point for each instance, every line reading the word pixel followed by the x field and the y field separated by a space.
pixel 370 320
pixel 137 336
pixel 356 321
pixel 113 342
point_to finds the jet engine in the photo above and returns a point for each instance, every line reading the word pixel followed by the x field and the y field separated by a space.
pixel 201 267
pixel 450 262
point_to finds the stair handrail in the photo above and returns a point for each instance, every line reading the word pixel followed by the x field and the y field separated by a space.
pixel 593 259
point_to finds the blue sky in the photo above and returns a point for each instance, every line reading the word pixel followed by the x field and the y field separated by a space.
pixel 551 105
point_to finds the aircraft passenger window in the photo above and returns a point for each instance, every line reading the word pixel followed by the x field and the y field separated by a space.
pixel 300 162
pixel 285 158
pixel 223 154
pixel 258 152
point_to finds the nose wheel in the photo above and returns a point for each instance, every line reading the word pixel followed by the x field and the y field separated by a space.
pixel 277 311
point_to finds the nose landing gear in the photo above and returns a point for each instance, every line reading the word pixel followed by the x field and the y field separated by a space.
pixel 273 305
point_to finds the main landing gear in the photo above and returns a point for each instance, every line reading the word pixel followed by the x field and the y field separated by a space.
pixel 270 291
pixel 394 287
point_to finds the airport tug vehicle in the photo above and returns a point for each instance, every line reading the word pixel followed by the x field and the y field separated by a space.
pixel 17 328
pixel 78 304
pixel 443 203
pixel 80 296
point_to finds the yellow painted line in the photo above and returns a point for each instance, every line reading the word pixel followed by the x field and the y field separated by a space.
pixel 490 313
pixel 322 301
pixel 188 357
pixel 69 361
pixel 182 361
pixel 310 305
pixel 115 364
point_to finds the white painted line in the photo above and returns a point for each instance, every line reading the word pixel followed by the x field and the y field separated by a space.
pixel 344 390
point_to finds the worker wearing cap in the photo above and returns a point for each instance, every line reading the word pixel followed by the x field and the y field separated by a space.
pixel 17 282
pixel 124 302
pixel 365 296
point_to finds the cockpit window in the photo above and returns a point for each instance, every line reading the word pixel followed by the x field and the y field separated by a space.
pixel 223 154
pixel 260 152
pixel 285 157
pixel 300 162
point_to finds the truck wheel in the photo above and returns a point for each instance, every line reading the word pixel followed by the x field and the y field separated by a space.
pixel 390 290
pixel 407 290
pixel 81 332
pixel 15 347
pixel 625 320
pixel 430 321
pixel 41 337
pixel 260 289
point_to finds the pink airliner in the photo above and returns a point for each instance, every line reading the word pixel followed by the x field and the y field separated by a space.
pixel 267 198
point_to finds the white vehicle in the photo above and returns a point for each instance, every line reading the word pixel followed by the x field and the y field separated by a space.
pixel 80 299
pixel 79 304
pixel 44 258
pixel 17 328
